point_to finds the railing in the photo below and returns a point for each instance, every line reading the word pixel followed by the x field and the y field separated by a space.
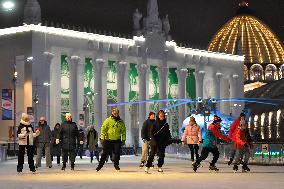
pixel 273 156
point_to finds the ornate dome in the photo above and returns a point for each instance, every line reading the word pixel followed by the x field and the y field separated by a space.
pixel 247 35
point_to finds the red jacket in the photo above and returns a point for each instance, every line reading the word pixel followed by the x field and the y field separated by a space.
pixel 233 129
pixel 242 138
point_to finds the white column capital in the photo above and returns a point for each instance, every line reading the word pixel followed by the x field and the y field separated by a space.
pixel 219 75
pixel 235 76
pixel 75 59
pixel 143 68
pixel 183 72
pixel 48 55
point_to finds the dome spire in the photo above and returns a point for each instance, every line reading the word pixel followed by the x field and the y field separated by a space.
pixel 32 12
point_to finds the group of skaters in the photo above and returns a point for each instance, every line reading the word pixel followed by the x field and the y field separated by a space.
pixel 67 140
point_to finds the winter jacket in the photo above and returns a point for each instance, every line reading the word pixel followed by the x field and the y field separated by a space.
pixel 145 131
pixel 211 135
pixel 69 135
pixel 160 134
pixel 92 142
pixel 45 133
pixel 242 138
pixel 26 134
pixel 113 129
pixel 233 129
pixel 55 148
pixel 193 134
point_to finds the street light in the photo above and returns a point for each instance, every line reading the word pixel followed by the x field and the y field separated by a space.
pixel 15 76
pixel 8 5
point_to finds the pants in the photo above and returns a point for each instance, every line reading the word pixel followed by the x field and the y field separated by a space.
pixel 72 156
pixel 96 153
pixel 160 150
pixel 145 149
pixel 80 150
pixel 233 153
pixel 204 154
pixel 39 150
pixel 109 147
pixel 242 154
pixel 21 154
pixel 194 150
pixel 58 159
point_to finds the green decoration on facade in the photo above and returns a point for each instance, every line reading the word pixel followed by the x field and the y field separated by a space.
pixel 133 83
pixel 154 88
pixel 64 86
pixel 89 88
pixel 112 82
pixel 191 88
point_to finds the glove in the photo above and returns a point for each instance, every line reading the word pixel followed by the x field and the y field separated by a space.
pixel 122 142
pixel 81 142
pixel 182 142
pixel 56 141
pixel 201 141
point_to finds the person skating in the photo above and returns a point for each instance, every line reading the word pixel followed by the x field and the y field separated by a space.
pixel 210 144
pixel 92 143
pixel 159 139
pixel 145 135
pixel 43 143
pixel 81 141
pixel 232 134
pixel 113 136
pixel 55 148
pixel 193 134
pixel 69 136
pixel 26 137
pixel 243 143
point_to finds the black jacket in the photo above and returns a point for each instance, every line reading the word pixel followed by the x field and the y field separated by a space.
pixel 160 133
pixel 55 148
pixel 45 133
pixel 145 131
pixel 69 135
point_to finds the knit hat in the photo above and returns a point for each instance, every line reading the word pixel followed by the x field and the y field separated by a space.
pixel 242 115
pixel 217 119
pixel 25 117
pixel 151 113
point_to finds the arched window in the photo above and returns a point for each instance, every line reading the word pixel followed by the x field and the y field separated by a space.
pixel 281 71
pixel 256 72
pixel 271 72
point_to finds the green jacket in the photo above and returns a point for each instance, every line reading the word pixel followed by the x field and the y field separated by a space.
pixel 113 130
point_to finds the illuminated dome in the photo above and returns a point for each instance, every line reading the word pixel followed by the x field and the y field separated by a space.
pixel 247 35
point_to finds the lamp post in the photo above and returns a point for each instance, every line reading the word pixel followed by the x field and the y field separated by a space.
pixel 15 76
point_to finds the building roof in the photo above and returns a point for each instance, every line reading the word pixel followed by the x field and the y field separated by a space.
pixel 193 22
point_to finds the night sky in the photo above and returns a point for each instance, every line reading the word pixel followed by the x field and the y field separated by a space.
pixel 193 22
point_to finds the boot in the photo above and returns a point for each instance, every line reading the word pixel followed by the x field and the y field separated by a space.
pixel 160 170
pixel 99 168
pixel 230 161
pixel 19 169
pixel 72 166
pixel 141 165
pixel 213 168
pixel 63 167
pixel 117 168
pixel 245 168
pixel 32 169
pixel 195 166
pixel 235 168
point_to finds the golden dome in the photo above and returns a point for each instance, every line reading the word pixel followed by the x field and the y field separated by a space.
pixel 246 35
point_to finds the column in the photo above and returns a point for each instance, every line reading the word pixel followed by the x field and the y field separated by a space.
pixel 143 69
pixel 74 61
pixel 55 88
pixel 199 77
pixel 48 58
pixel 163 78
pixel 182 74
pixel 233 93
pixel 98 67
pixel 80 92
pixel 121 87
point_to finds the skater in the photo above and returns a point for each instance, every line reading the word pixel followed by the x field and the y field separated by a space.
pixel 113 136
pixel 80 149
pixel 26 141
pixel 243 144
pixel 193 134
pixel 145 135
pixel 69 135
pixel 55 148
pixel 232 133
pixel 43 143
pixel 92 143
pixel 210 144
pixel 159 139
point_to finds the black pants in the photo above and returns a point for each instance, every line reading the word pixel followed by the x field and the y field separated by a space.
pixel 160 150
pixel 58 159
pixel 194 150
pixel 204 154
pixel 109 147
pixel 30 153
pixel 72 156
pixel 94 153
pixel 80 150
